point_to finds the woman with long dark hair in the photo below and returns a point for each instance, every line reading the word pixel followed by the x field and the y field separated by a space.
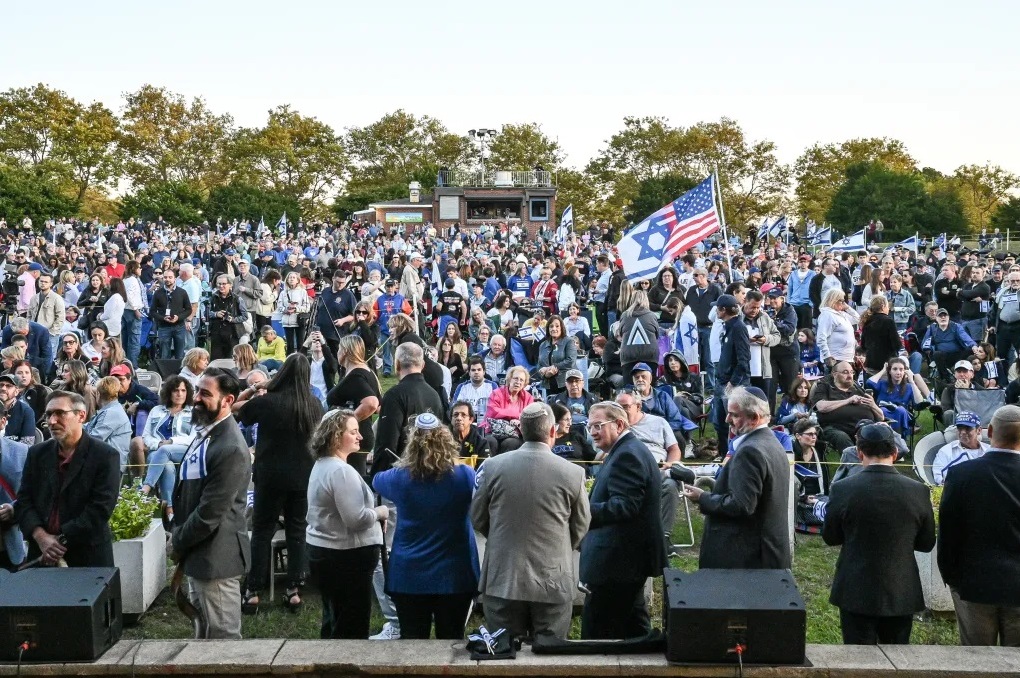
pixel 556 355
pixel 287 414
pixel 92 300
pixel 166 437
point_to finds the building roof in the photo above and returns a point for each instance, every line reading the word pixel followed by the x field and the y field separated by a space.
pixel 424 201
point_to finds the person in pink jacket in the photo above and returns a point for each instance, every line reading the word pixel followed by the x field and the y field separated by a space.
pixel 503 412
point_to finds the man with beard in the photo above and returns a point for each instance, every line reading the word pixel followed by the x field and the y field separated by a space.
pixel 746 514
pixel 68 490
pixel 209 538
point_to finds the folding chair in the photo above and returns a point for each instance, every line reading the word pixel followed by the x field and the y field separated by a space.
pixel 927 448
pixel 148 379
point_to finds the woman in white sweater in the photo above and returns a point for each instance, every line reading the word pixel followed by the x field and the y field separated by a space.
pixel 835 338
pixel 292 305
pixel 343 536
pixel 113 309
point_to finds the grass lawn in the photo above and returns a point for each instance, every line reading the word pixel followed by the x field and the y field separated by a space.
pixel 814 564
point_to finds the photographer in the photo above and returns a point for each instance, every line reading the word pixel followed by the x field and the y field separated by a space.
pixel 227 316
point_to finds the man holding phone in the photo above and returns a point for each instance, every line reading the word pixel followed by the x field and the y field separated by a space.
pixel 171 307
pixel 841 403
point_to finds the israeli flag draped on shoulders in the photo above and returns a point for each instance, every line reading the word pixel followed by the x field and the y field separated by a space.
pixel 193 465
pixel 851 243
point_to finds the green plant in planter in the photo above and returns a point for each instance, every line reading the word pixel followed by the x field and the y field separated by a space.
pixel 936 499
pixel 133 514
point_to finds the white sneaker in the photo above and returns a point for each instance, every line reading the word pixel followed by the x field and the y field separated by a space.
pixel 389 632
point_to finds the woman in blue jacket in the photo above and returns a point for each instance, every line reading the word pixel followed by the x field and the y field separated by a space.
pixel 433 570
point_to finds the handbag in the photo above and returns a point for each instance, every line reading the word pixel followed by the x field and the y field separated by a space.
pixel 502 429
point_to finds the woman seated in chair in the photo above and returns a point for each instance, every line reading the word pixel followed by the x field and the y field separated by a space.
pixel 687 389
pixel 165 439
pixel 795 405
pixel 992 372
pixel 897 392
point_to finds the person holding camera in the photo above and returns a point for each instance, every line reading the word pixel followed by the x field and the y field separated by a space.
pixel 227 316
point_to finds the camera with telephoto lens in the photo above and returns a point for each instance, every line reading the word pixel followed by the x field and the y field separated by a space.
pixel 11 288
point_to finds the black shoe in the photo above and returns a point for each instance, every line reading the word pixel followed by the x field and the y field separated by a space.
pixel 681 474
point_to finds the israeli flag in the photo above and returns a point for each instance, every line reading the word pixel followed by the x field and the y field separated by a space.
pixel 281 225
pixel 955 241
pixel 822 237
pixel 686 340
pixel 776 229
pixel 940 241
pixel 852 243
pixel 763 230
pixel 910 244
pixel 437 280
pixel 231 231
pixel 566 224
pixel 262 230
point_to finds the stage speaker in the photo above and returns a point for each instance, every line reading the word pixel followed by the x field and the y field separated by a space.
pixel 708 613
pixel 65 614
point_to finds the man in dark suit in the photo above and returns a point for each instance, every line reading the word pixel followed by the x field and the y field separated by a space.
pixel 68 489
pixel 978 537
pixel 37 337
pixel 747 512
pixel 624 544
pixel 210 538
pixel 532 507
pixel 734 366
pixel 880 517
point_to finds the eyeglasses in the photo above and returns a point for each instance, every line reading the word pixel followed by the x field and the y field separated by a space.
pixel 596 426
pixel 70 342
pixel 813 434
pixel 59 413
pixel 361 313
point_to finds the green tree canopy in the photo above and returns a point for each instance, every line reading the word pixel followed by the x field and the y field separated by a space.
pixel 821 170
pixel 26 192
pixel 982 188
pixel 244 201
pixel 177 202
pixel 1006 216
pixel 524 147
pixel 655 192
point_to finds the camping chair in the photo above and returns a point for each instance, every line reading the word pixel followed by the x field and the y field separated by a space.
pixel 982 402
pixel 927 448
pixel 225 364
pixel 148 379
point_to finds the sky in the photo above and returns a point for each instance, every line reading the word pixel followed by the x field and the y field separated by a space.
pixel 940 77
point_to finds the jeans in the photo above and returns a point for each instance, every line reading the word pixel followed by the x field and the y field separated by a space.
pixel 271 364
pixel 915 360
pixel 131 335
pixel 975 328
pixel 162 472
pixel 172 342
pixel 705 356
pixel 387 356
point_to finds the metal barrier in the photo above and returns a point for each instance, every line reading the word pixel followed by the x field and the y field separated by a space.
pixel 496 178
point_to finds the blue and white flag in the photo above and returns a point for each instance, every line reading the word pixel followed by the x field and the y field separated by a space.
pixel 822 236
pixel 262 230
pixel 910 244
pixel 940 241
pixel 437 280
pixel 566 224
pixel 851 243
pixel 230 231
pixel 281 225
pixel 955 241
pixel 763 230
pixel 686 340
pixel 776 229
pixel 669 232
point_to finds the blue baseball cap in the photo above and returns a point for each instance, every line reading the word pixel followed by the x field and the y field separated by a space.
pixel 641 367
pixel 969 419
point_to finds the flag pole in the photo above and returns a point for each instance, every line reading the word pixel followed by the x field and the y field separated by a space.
pixel 722 217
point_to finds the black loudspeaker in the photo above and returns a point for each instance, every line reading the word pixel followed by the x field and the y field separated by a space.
pixel 709 613
pixel 65 614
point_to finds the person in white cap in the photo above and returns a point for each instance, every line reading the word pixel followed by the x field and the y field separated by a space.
pixel 963 371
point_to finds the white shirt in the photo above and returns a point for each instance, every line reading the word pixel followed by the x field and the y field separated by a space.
pixel 951 454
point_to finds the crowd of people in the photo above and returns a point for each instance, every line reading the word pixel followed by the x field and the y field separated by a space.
pixel 526 368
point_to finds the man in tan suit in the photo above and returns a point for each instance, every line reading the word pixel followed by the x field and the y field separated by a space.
pixel 532 507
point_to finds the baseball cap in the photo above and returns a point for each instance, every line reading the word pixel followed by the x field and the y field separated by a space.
pixel 120 371
pixel 35 266
pixel 805 257
pixel 942 311
pixel 726 301
pixel 776 292
pixel 575 374
pixel 970 419
pixel 996 267
pixel 962 365
pixel 521 259
pixel 390 281
pixel 640 367
pixel 876 432
pixel 230 252
pixel 766 288
pixel 8 377
pixel 414 255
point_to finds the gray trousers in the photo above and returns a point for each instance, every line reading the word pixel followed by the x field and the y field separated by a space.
pixel 987 624
pixel 668 505
pixel 526 619
pixel 219 601
pixel 386 606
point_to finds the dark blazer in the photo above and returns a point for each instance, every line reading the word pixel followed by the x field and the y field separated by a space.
pixel 979 536
pixel 624 541
pixel 40 351
pixel 734 366
pixel 747 513
pixel 409 398
pixel 210 501
pixel 85 499
pixel 880 517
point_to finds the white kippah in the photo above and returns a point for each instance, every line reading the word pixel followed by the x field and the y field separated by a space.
pixel 426 421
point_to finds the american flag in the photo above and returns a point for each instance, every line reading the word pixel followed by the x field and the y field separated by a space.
pixel 669 232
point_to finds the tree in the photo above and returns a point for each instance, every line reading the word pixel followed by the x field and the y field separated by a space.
pixel 1006 216
pixel 399 146
pixel 171 140
pixel 576 188
pixel 244 201
pixel 27 192
pixel 821 170
pixel 293 155
pixel 177 202
pixel 654 193
pixel 982 189
pixel 31 119
pixel 88 148
pixel 524 147
pixel 873 190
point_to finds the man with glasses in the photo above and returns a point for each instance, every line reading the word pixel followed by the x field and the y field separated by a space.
pixel 20 415
pixel 841 403
pixel 1004 320
pixel 227 316
pixel 68 490
pixel 624 544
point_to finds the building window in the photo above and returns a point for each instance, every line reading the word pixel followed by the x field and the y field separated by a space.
pixel 493 209
pixel 539 209
pixel 449 207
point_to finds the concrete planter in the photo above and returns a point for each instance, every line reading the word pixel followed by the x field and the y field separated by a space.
pixel 142 564
pixel 936 593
